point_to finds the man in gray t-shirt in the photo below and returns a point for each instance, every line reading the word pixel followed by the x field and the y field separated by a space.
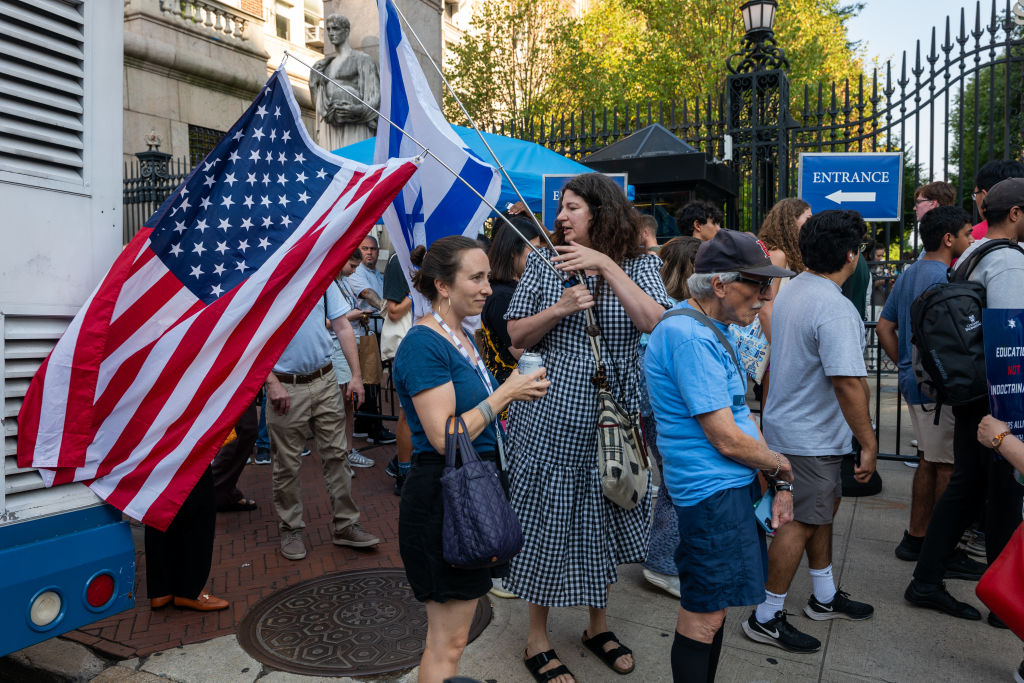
pixel 817 401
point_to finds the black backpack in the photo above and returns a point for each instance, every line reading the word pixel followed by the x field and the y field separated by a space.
pixel 945 322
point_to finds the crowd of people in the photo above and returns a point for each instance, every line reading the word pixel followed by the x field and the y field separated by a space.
pixel 667 317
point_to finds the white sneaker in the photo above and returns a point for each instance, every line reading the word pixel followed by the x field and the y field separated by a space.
pixel 666 582
pixel 498 590
pixel 357 459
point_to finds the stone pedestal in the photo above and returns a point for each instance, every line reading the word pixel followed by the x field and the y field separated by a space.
pixel 425 17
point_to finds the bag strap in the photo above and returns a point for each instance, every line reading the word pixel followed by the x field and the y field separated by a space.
pixel 963 271
pixel 456 441
pixel 708 323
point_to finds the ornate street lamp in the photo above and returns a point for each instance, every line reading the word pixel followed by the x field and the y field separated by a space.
pixel 758 120
pixel 759 51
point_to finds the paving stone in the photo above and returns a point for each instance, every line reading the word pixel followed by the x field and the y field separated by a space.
pixel 51 660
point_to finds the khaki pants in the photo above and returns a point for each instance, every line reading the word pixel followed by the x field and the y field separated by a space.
pixel 316 405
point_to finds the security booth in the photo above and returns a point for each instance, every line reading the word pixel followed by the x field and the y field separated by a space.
pixel 667 172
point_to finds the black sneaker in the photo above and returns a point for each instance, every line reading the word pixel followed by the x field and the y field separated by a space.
pixel 262 457
pixel 909 548
pixel 960 566
pixel 399 483
pixel 939 599
pixel 841 607
pixel 996 622
pixel 382 436
pixel 392 469
pixel 780 633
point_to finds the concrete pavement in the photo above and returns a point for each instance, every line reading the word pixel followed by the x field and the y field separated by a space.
pixel 901 643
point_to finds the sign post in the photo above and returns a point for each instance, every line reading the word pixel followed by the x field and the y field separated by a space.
pixel 870 183
pixel 551 190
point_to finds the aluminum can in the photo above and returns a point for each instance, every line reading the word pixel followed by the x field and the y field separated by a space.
pixel 530 362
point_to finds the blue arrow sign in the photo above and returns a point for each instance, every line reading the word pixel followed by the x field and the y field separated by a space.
pixel 868 182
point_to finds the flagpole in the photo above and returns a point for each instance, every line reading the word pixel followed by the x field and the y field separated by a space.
pixel 427 151
pixel 501 167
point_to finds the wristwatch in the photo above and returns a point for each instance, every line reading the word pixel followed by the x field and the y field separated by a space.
pixel 997 440
pixel 780 485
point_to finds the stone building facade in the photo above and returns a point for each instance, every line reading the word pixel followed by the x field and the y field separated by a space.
pixel 191 67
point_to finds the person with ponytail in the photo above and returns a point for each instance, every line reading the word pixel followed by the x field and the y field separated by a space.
pixel 438 374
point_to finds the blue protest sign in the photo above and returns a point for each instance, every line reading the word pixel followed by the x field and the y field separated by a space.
pixel 868 182
pixel 551 189
pixel 1004 355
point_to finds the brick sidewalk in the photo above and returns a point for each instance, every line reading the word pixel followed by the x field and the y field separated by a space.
pixel 247 565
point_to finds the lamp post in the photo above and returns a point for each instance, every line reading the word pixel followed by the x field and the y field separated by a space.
pixel 758 112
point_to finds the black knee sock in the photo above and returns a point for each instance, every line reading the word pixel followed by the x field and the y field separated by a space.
pixel 716 653
pixel 691 660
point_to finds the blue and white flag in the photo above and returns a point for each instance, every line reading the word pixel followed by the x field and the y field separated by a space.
pixel 434 203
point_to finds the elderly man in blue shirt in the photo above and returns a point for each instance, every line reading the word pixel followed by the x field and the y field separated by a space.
pixel 711 446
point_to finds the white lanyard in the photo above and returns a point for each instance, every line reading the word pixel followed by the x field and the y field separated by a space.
pixel 481 369
pixel 485 378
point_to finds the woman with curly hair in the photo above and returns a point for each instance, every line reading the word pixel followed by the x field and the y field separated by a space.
pixel 574 536
pixel 780 232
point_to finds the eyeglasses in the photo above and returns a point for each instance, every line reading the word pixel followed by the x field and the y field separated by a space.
pixel 974 195
pixel 763 285
pixel 864 246
pixel 922 200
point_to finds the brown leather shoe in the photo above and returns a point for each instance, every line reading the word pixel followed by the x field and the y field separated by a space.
pixel 161 602
pixel 204 603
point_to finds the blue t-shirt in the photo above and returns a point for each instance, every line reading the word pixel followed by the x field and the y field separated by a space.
pixel 425 360
pixel 690 373
pixel 917 277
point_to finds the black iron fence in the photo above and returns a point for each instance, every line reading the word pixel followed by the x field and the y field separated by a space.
pixel 148 180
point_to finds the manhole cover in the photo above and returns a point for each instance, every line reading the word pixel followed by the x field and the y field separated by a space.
pixel 357 623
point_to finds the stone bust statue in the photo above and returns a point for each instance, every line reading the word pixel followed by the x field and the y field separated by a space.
pixel 341 119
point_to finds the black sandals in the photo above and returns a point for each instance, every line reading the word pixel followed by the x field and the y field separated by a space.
pixel 537 662
pixel 596 645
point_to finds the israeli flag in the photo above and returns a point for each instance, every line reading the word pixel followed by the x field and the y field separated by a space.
pixel 434 203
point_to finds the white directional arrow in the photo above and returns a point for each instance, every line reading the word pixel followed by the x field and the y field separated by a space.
pixel 839 196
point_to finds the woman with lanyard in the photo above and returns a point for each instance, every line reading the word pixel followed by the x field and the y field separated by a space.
pixel 438 373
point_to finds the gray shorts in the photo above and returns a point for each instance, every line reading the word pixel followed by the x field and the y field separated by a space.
pixel 817 485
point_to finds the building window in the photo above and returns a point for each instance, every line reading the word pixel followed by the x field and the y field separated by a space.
pixel 284 23
pixel 201 142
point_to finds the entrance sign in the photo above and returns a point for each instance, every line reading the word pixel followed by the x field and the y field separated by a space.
pixel 551 190
pixel 1004 356
pixel 868 182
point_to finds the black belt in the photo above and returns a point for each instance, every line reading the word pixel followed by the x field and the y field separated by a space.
pixel 304 379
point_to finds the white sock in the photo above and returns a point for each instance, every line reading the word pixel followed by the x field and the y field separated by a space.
pixel 824 586
pixel 772 604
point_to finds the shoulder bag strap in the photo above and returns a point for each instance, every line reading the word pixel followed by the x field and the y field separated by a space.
pixel 708 323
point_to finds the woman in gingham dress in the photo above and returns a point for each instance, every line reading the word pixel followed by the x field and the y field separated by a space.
pixel 575 537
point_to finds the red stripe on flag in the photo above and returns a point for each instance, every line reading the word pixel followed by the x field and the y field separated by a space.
pixel 88 354
pixel 142 310
pixel 366 186
pixel 28 417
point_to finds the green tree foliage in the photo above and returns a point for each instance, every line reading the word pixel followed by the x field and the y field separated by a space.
pixel 623 52
pixel 503 69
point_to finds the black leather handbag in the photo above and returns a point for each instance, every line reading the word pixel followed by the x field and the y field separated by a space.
pixel 480 528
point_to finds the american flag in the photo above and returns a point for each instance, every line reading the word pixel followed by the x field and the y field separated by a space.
pixel 174 343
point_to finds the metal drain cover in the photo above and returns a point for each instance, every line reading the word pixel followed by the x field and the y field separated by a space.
pixel 356 623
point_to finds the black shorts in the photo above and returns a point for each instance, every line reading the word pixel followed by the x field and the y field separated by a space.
pixel 420 516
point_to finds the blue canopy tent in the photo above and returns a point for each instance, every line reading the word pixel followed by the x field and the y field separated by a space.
pixel 526 162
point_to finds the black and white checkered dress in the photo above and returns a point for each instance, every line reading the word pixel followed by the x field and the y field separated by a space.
pixel 574 537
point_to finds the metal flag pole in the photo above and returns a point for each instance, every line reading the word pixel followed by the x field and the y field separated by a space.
pixel 427 151
pixel 501 167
